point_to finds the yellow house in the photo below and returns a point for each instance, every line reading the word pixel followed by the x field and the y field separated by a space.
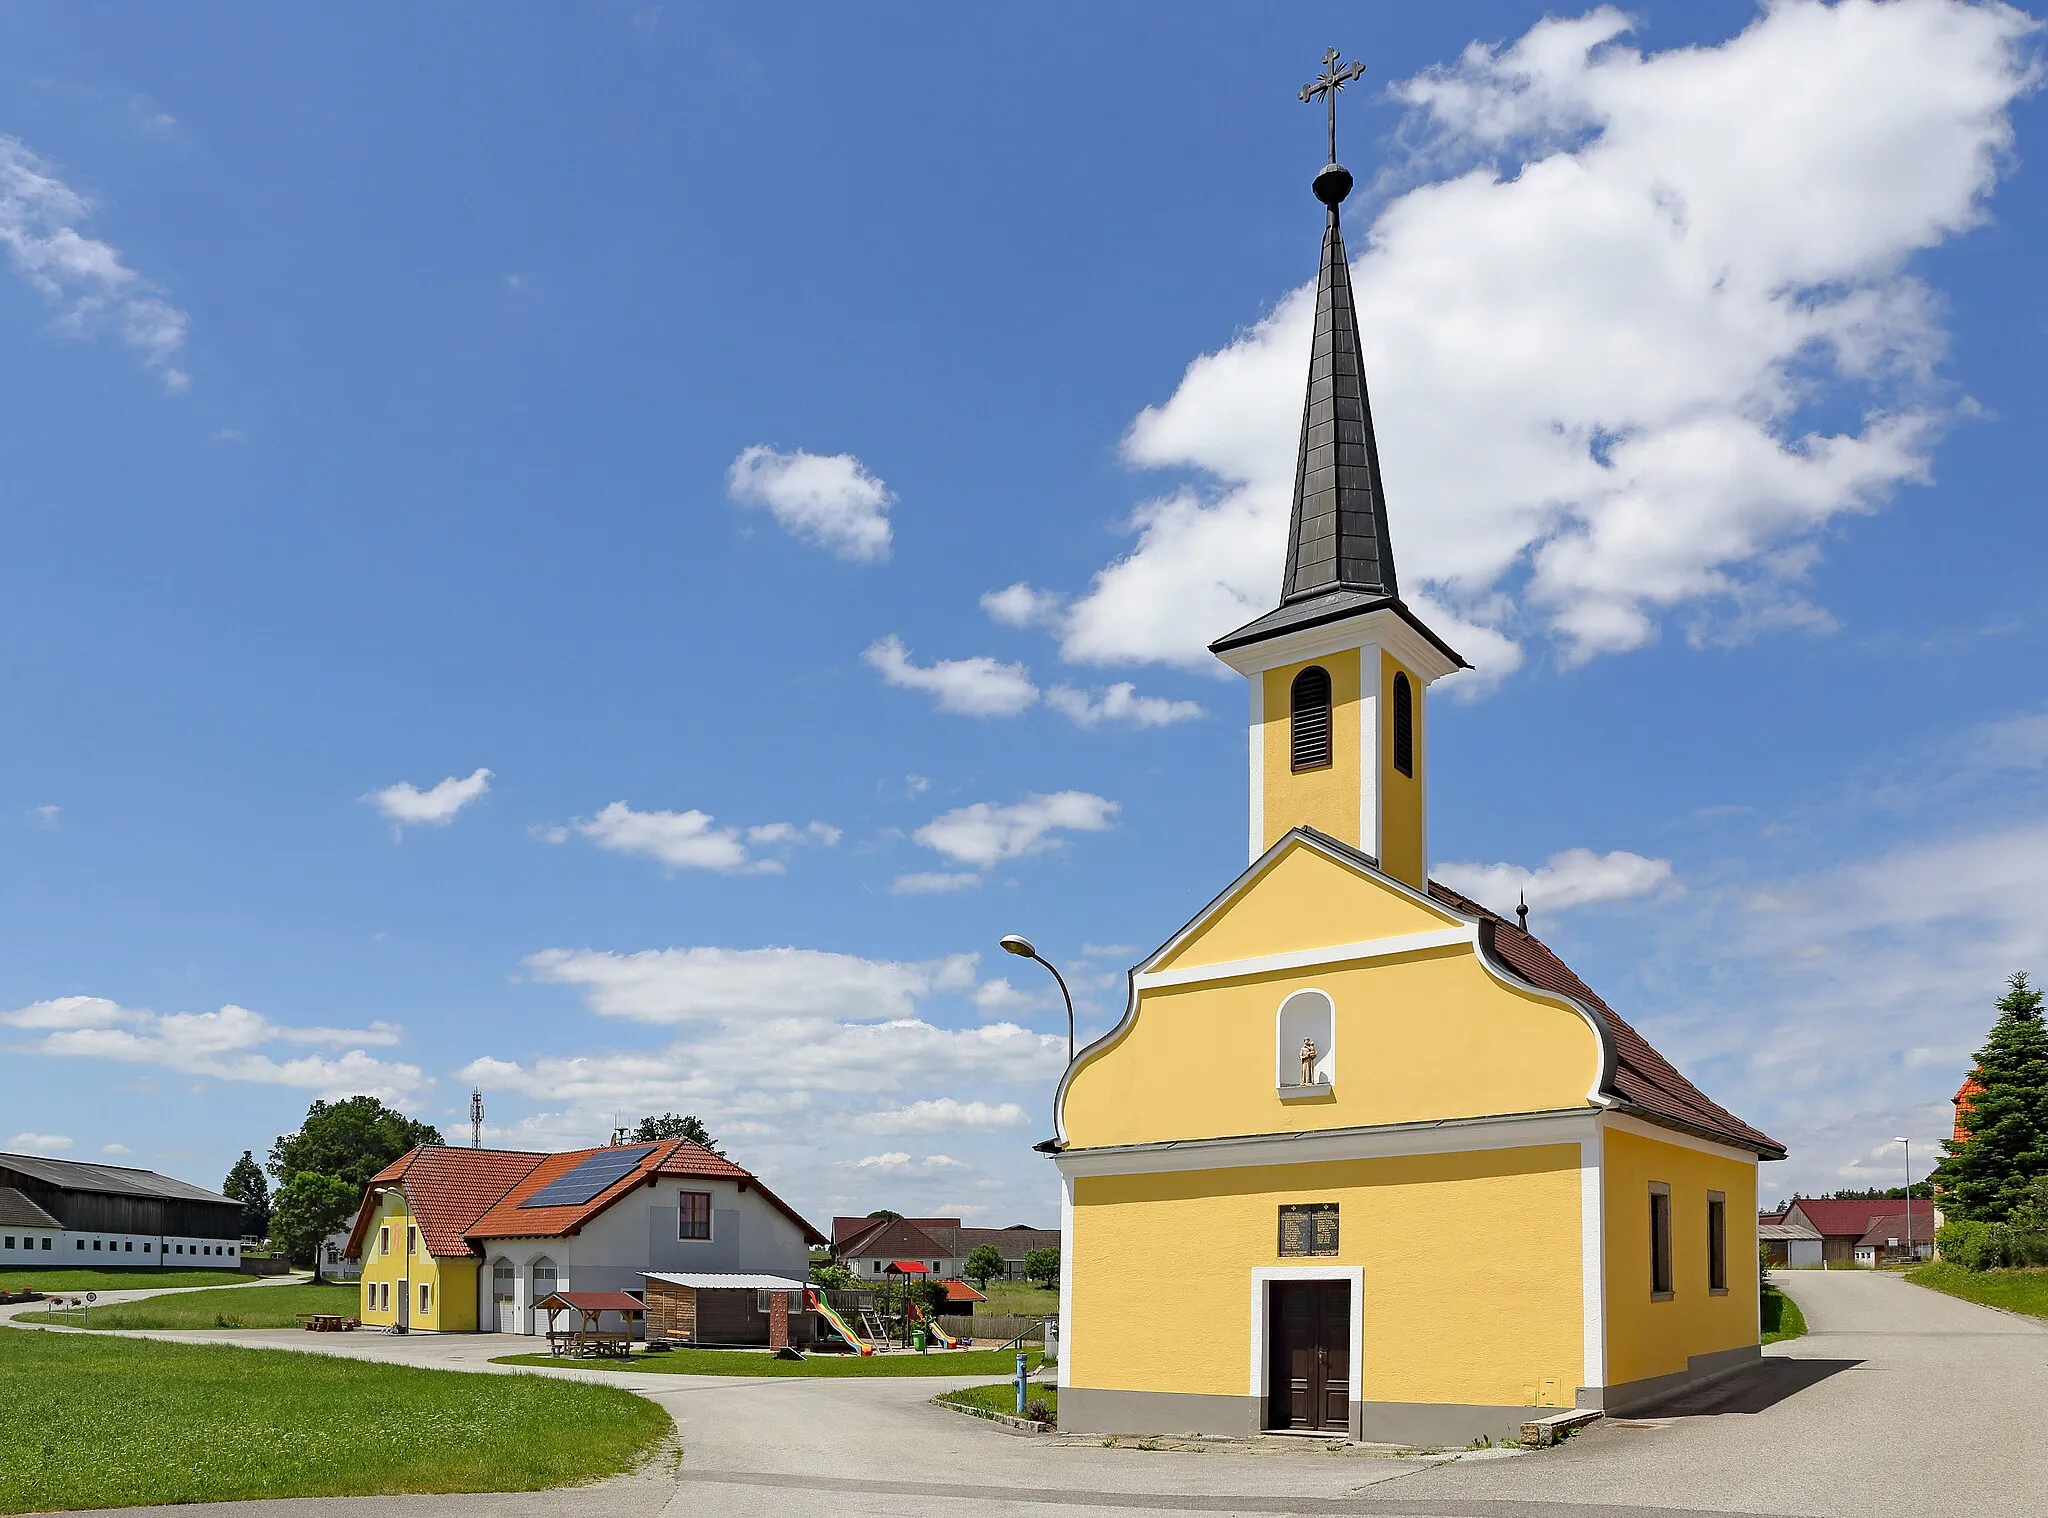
pixel 1421 1184
pixel 419 1266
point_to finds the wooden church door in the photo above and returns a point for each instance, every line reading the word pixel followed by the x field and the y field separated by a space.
pixel 1308 1360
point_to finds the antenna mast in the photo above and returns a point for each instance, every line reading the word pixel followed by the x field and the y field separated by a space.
pixel 476 1117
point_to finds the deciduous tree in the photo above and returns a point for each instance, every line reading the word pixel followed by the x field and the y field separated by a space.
pixel 352 1139
pixel 1043 1266
pixel 984 1264
pixel 245 1184
pixel 309 1207
pixel 653 1130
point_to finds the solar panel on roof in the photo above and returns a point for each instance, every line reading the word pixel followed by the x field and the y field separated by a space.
pixel 586 1180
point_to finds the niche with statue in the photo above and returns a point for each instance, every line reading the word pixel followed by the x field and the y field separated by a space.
pixel 1305 1045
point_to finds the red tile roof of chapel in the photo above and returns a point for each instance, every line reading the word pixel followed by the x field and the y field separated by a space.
pixel 1643 1078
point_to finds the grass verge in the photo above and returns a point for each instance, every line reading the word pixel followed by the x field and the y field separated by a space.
pixel 2015 1290
pixel 229 1307
pixel 116 1280
pixel 1782 1318
pixel 98 1422
pixel 1002 1398
pixel 1018 1299
pixel 744 1362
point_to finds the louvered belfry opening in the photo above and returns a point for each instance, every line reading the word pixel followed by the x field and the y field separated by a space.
pixel 1404 726
pixel 1308 720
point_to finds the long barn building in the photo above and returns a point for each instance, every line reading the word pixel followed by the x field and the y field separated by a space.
pixel 62 1212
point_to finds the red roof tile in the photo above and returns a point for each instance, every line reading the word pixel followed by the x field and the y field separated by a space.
pixel 447 1190
pixel 1642 1077
pixel 506 1219
pixel 1853 1219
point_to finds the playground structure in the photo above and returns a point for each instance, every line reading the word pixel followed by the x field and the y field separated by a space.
pixel 866 1328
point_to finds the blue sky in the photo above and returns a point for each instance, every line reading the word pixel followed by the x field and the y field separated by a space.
pixel 638 404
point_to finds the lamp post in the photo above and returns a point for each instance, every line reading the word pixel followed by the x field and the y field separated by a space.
pixel 1902 1139
pixel 1013 943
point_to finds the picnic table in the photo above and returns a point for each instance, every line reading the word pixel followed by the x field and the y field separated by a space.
pixel 327 1323
pixel 589 1341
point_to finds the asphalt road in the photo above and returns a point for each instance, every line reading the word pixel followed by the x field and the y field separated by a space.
pixel 1900 1401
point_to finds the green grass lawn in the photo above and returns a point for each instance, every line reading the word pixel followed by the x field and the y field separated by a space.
pixel 62 1279
pixel 229 1307
pixel 95 1422
pixel 742 1362
pixel 1018 1298
pixel 2015 1290
pixel 1002 1397
pixel 1782 1318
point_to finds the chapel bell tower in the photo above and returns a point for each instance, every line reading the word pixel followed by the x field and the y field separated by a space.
pixel 1340 672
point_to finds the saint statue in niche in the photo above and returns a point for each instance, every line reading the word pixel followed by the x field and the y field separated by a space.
pixel 1308 1062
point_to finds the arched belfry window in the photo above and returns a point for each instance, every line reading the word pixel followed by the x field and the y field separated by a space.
pixel 1308 720
pixel 1404 725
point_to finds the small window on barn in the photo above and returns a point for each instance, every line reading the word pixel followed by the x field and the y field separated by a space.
pixel 1660 1241
pixel 1308 720
pixel 693 1215
pixel 1404 726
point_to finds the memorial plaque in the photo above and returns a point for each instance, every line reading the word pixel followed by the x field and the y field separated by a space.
pixel 1308 1229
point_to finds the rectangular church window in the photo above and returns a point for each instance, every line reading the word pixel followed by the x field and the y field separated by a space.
pixel 1660 1241
pixel 1717 1243
pixel 1308 1229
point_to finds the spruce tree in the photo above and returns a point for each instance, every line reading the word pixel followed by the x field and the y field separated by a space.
pixel 2004 1148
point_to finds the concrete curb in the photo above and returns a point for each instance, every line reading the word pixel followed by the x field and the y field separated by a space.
pixel 1007 1420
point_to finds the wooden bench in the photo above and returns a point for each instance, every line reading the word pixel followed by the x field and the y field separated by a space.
pixel 327 1323
pixel 589 1343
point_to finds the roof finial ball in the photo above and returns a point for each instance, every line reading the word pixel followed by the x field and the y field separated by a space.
pixel 1522 911
pixel 1333 181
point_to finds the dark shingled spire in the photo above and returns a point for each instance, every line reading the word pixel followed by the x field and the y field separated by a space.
pixel 1338 538
pixel 1340 561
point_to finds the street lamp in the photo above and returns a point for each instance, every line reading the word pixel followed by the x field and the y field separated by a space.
pixel 1902 1139
pixel 1020 946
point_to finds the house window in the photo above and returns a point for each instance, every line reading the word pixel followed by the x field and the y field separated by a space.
pixel 384 1239
pixel 693 1215
pixel 1660 1242
pixel 46 1241
pixel 1404 726
pixel 10 1241
pixel 1308 720
pixel 129 1247
pixel 1717 1243
pixel 426 1298
pixel 1308 1228
pixel 411 1239
pixel 95 1246
pixel 145 1247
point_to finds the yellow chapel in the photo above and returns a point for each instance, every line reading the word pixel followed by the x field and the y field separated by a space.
pixel 1419 1184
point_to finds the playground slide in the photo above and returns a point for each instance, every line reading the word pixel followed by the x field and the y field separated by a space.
pixel 946 1340
pixel 838 1325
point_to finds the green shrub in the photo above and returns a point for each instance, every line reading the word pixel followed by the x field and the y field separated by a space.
pixel 1991 1246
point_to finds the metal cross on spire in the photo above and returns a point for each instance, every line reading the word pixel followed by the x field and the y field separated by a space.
pixel 1327 83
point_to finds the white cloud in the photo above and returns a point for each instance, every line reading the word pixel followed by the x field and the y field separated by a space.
pixel 115 1149
pixel 985 834
pixel 827 499
pixel 226 1045
pixel 1600 339
pixel 1020 605
pixel 943 1115
pixel 39 1143
pixel 695 984
pixel 1119 703
pixel 899 1162
pixel 690 840
pixel 933 882
pixel 83 276
pixel 47 814
pixel 1574 878
pixel 976 687
pixel 405 803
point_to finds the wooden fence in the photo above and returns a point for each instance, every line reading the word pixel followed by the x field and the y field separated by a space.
pixel 992 1326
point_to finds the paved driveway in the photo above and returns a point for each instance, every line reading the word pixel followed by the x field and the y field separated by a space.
pixel 1899 1402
